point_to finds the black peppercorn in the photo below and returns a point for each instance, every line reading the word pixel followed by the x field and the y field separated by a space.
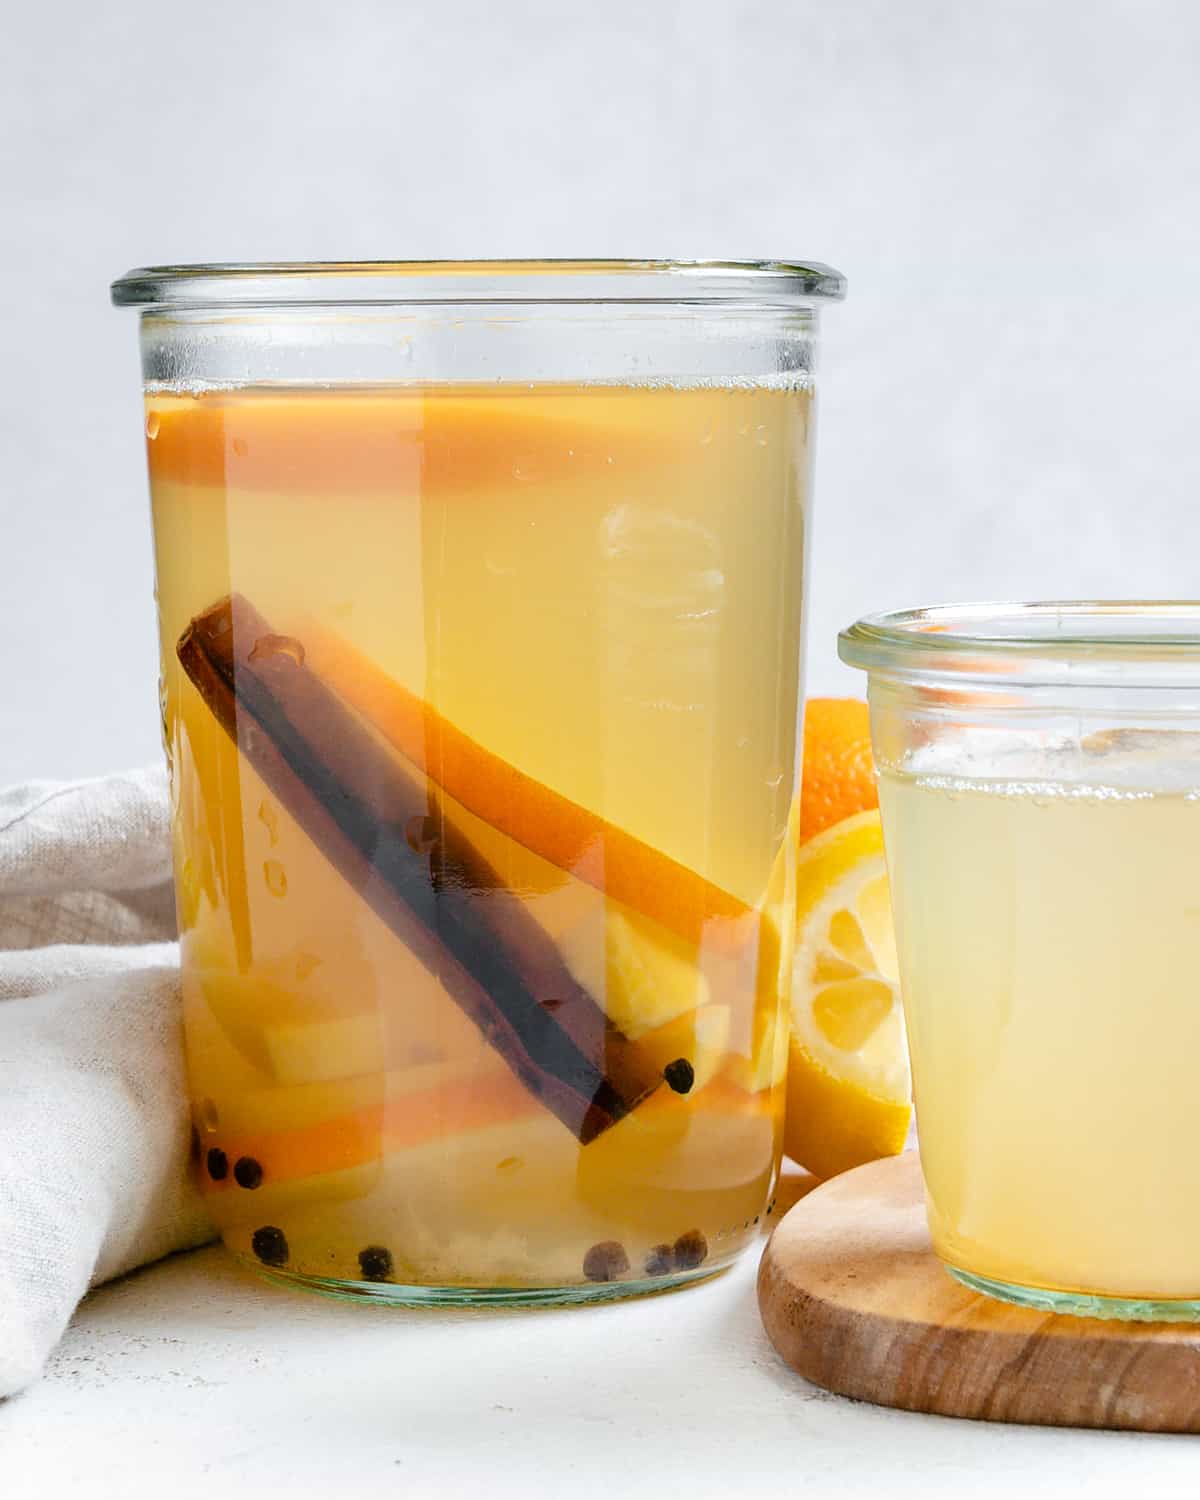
pixel 660 1260
pixel 270 1245
pixel 375 1263
pixel 680 1075
pixel 691 1250
pixel 247 1172
pixel 217 1163
pixel 605 1261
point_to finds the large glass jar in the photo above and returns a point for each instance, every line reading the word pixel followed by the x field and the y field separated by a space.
pixel 481 600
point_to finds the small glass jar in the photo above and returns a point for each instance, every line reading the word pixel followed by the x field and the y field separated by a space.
pixel 481 605
pixel 1039 771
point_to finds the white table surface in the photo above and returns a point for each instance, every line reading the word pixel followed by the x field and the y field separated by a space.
pixel 195 1378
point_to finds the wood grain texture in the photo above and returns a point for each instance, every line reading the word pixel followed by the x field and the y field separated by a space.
pixel 854 1299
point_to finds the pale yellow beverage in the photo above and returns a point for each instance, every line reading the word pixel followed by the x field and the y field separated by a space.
pixel 1048 921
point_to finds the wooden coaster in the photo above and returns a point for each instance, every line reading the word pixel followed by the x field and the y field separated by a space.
pixel 853 1298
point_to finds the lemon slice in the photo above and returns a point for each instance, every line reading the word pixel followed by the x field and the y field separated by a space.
pixel 848 1090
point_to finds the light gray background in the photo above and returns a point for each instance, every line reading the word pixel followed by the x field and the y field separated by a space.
pixel 1009 396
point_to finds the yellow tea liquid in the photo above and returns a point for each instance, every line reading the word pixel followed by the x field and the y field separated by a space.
pixel 1049 935
pixel 481 707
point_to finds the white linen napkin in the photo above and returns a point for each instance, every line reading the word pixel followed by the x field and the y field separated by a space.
pixel 94 1131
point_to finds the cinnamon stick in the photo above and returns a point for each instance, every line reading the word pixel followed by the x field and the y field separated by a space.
pixel 368 810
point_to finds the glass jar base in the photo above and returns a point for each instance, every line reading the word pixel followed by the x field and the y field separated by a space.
pixel 397 1294
pixel 1082 1304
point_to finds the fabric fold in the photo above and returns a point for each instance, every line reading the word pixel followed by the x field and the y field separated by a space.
pixel 94 1128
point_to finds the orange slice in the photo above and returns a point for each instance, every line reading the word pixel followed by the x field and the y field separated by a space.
pixel 406 1117
pixel 529 812
pixel 839 774
pixel 392 443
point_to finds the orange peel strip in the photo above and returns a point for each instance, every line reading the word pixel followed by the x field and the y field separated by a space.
pixel 529 812
pixel 388 443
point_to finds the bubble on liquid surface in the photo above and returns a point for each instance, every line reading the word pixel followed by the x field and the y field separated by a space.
pixel 209 1118
pixel 796 379
pixel 152 425
pixel 1049 767
pixel 276 877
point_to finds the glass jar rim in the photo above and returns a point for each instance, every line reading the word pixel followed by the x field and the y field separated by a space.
pixel 1080 642
pixel 744 283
